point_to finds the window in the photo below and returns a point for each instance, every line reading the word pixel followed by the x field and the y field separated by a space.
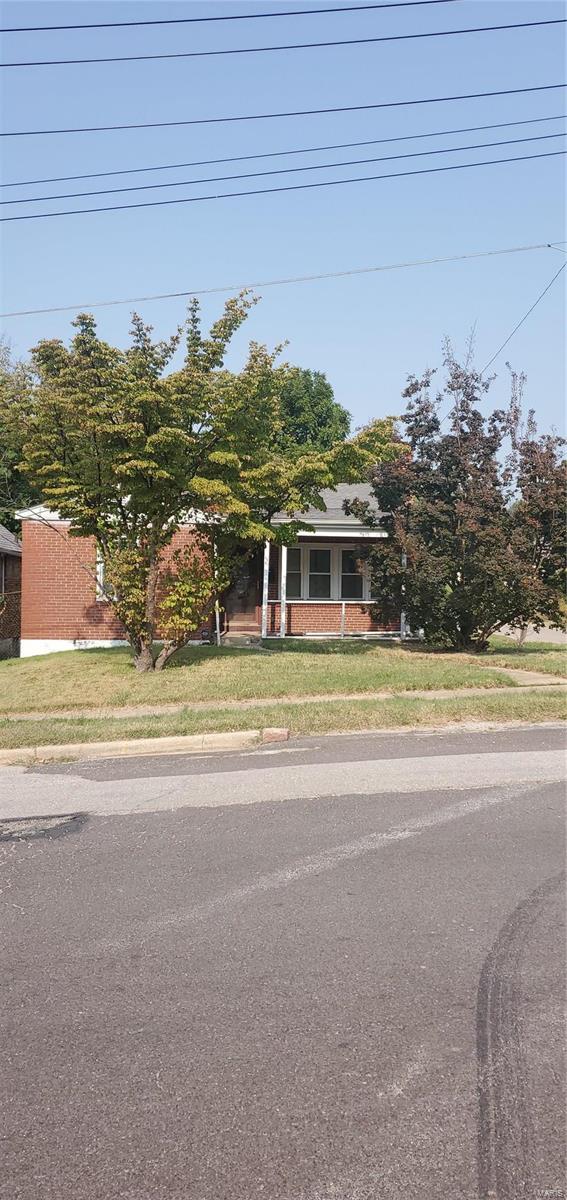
pixel 293 585
pixel 352 581
pixel 319 574
pixel 102 591
pixel 322 573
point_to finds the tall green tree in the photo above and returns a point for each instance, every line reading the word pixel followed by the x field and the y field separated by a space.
pixel 15 490
pixel 129 452
pixel 476 537
pixel 311 418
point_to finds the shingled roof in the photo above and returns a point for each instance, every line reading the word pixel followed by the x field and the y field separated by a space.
pixel 333 517
pixel 8 543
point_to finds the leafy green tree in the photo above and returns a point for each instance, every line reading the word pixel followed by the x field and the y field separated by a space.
pixel 311 417
pixel 15 490
pixel 130 453
pixel 476 538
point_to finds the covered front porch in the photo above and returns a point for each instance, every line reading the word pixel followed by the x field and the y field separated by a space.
pixel 317 588
pixel 320 587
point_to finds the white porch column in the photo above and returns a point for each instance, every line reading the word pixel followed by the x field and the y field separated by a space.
pixel 217 606
pixel 265 582
pixel 343 619
pixel 283 591
pixel 403 623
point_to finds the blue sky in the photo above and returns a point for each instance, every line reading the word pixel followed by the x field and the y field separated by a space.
pixel 367 332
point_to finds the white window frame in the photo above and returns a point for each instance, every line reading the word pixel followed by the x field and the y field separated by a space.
pixel 336 573
pixel 362 574
pixel 99 572
pixel 101 591
pixel 306 574
pixel 291 599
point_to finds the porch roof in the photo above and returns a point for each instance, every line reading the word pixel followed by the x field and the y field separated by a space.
pixel 332 521
pixel 8 543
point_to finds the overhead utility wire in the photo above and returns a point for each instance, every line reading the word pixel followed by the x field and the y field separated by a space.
pixel 290 187
pixel 526 315
pixel 352 162
pixel 262 283
pixel 308 112
pixel 366 41
pixel 298 12
pixel 207 162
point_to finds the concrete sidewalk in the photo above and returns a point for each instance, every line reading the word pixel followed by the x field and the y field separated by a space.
pixel 532 680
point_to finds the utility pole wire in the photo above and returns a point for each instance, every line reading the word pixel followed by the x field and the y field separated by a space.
pixel 288 187
pixel 528 313
pixel 352 162
pixel 307 112
pixel 298 12
pixel 263 283
pixel 208 162
pixel 366 41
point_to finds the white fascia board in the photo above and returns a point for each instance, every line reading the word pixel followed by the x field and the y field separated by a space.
pixel 357 533
pixel 40 512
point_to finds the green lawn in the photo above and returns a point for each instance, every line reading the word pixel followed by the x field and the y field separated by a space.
pixel 96 678
pixel 307 717
pixel 533 656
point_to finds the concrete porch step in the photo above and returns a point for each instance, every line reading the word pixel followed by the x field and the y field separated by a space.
pixel 248 627
pixel 241 637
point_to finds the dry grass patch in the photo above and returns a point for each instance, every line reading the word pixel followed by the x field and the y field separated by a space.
pixel 307 717
pixel 547 657
pixel 96 678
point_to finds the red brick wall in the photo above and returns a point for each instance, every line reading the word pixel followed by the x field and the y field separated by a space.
pixel 59 594
pixel 326 618
pixel 58 586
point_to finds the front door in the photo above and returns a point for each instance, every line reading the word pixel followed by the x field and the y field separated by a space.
pixel 242 597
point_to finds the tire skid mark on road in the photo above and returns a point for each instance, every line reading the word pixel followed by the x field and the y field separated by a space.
pixel 504 1124
pixel 316 864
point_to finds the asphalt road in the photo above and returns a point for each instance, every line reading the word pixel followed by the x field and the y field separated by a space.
pixel 331 971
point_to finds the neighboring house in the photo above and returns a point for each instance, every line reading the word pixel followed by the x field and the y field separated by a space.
pixel 10 592
pixel 318 588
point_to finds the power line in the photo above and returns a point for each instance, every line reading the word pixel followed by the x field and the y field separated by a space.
pixel 366 41
pixel 262 283
pixel 308 112
pixel 292 187
pixel 206 162
pixel 299 12
pixel 526 315
pixel 353 162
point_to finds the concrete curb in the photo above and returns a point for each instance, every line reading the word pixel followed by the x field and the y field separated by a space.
pixel 135 747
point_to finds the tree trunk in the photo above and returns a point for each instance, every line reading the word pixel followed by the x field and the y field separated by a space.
pixel 143 657
pixel 167 651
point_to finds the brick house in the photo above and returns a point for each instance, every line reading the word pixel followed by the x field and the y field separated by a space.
pixel 10 588
pixel 318 588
